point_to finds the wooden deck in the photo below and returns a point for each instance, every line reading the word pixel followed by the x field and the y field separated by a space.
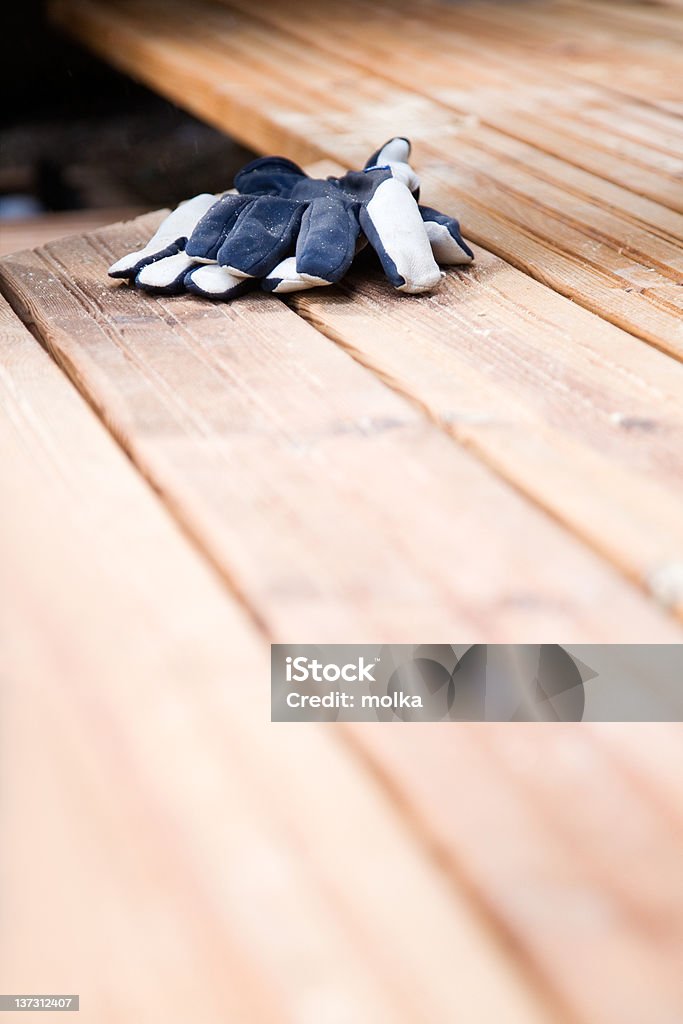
pixel 31 232
pixel 185 482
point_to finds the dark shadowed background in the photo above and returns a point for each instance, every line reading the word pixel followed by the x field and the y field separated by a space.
pixel 77 136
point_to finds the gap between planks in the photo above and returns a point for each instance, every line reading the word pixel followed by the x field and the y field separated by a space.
pixel 151 685
pixel 420 56
pixel 640 64
pixel 576 414
pixel 136 707
pixel 316 490
pixel 247 77
pixel 602 879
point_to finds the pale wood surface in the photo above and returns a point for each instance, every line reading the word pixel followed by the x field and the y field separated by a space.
pixel 616 137
pixel 579 415
pixel 264 84
pixel 167 853
pixel 576 854
pixel 200 862
pixel 604 45
pixel 494 462
pixel 332 503
pixel 27 233
pixel 574 184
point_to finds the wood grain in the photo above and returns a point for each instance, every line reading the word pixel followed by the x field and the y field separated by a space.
pixel 595 891
pixel 645 65
pixel 186 835
pixel 29 232
pixel 655 19
pixel 172 855
pixel 315 489
pixel 615 137
pixel 579 415
pixel 234 71
pixel 203 865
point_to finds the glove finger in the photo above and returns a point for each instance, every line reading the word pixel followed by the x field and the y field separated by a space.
pixel 395 229
pixel 129 266
pixel 447 243
pixel 396 150
pixel 211 231
pixel 263 235
pixel 394 156
pixel 165 276
pixel 169 238
pixel 327 240
pixel 285 278
pixel 214 282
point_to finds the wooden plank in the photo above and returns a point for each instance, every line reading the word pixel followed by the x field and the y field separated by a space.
pixel 577 414
pixel 584 246
pixel 595 892
pixel 650 755
pixel 646 32
pixel 218 63
pixel 656 18
pixel 612 136
pixel 625 23
pixel 196 862
pixel 332 504
pixel 29 232
pixel 644 66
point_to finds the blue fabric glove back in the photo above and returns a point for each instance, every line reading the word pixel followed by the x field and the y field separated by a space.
pixel 292 232
pixel 297 232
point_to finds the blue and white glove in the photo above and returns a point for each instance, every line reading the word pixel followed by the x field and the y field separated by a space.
pixel 162 265
pixel 291 232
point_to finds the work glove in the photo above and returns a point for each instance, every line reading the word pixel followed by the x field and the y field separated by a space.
pixel 293 232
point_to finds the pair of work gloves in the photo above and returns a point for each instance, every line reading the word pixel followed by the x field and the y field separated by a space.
pixel 287 232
